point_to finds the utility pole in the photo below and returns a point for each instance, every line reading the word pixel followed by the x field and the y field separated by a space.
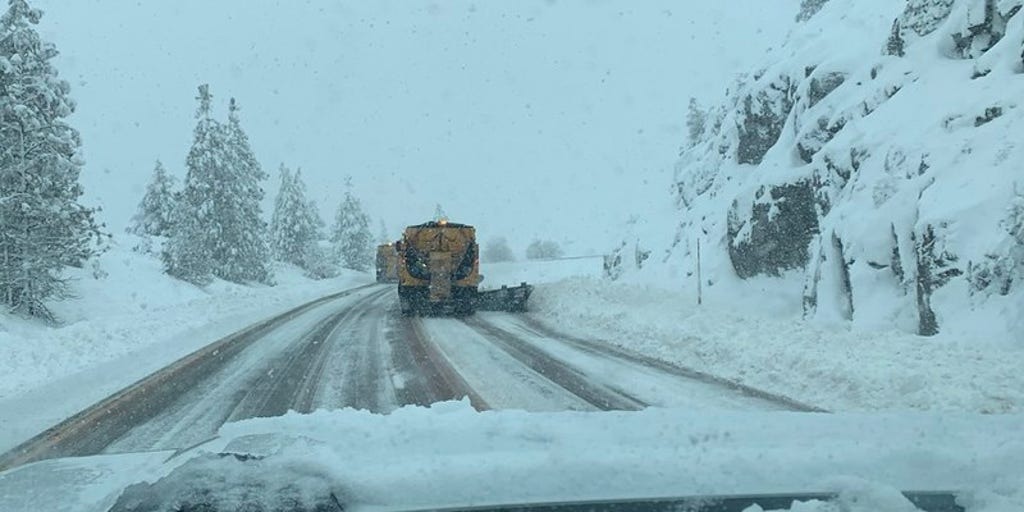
pixel 699 291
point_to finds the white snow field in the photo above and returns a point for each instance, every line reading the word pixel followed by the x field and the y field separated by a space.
pixel 450 454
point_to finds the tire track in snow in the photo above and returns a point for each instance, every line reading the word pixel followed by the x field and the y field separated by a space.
pixel 599 395
pixel 440 378
pixel 494 375
pixel 297 385
pixel 532 332
pixel 261 380
pixel 93 429
pixel 355 366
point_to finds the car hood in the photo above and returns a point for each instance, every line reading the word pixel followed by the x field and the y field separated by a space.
pixel 450 455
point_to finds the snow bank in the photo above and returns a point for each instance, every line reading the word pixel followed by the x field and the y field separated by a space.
pixel 836 367
pixel 451 455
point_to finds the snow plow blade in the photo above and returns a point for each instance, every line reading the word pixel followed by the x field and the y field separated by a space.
pixel 505 298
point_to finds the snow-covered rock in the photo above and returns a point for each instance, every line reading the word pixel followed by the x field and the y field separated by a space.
pixel 877 157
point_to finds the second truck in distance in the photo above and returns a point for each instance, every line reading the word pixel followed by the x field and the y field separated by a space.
pixel 387 263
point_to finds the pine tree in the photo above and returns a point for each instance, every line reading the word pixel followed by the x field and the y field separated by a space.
pixel 240 253
pixel 383 237
pixel 808 8
pixel 351 235
pixel 296 224
pixel 188 252
pixel 543 250
pixel 696 121
pixel 43 228
pixel 156 209
pixel 1014 226
pixel 318 262
pixel 896 44
pixel 924 16
pixel 218 230
pixel 283 208
pixel 497 250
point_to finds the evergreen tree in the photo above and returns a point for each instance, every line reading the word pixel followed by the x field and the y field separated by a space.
pixel 241 252
pixel 808 8
pixel 497 250
pixel 296 224
pixel 153 217
pixel 383 237
pixel 318 262
pixel 188 252
pixel 924 16
pixel 283 208
pixel 42 226
pixel 218 230
pixel 543 250
pixel 896 44
pixel 696 121
pixel 353 242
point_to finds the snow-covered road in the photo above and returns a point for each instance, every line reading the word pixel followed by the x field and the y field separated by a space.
pixel 283 369
pixel 513 362
pixel 355 350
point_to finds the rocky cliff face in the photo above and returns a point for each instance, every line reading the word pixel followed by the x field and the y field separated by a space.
pixel 879 155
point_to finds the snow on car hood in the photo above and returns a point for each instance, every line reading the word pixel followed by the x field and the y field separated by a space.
pixel 451 455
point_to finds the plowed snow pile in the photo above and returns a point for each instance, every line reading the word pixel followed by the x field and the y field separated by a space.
pixel 833 367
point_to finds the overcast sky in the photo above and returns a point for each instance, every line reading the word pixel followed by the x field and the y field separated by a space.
pixel 527 118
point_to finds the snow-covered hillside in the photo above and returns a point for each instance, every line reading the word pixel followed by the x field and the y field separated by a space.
pixel 871 170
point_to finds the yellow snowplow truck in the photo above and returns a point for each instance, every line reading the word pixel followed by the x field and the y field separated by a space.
pixel 439 271
pixel 387 263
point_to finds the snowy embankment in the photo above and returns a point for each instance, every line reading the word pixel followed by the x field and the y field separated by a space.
pixel 835 367
pixel 520 457
pixel 381 462
pixel 122 327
